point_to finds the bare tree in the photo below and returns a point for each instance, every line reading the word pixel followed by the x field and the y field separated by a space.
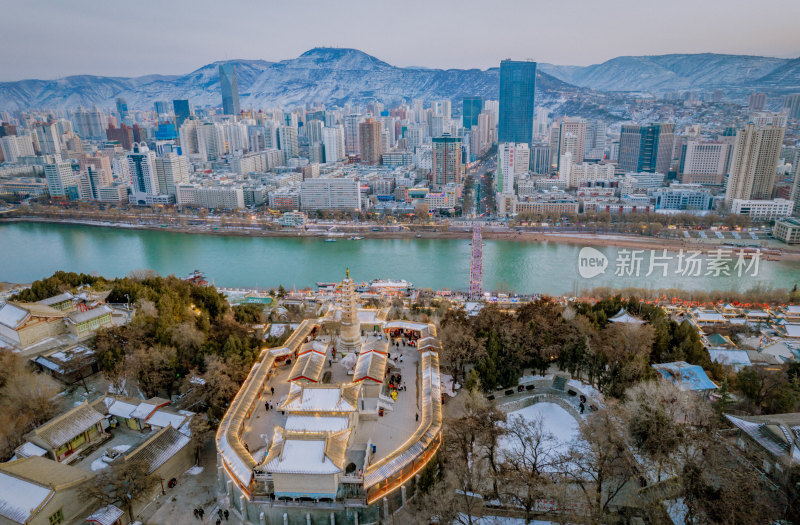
pixel 658 416
pixel 121 484
pixel 530 465
pixel 601 464
pixel 460 347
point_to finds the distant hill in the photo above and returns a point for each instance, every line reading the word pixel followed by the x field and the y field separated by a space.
pixel 660 73
pixel 330 75
pixel 338 76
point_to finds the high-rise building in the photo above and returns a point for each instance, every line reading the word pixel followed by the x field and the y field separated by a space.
pixel 351 134
pixel 89 123
pixel 517 88
pixel 755 158
pixel 595 144
pixel 15 146
pixel 182 111
pixel 122 134
pixel 59 178
pixel 122 110
pixel 314 131
pixel 704 162
pixel 446 160
pixel 757 101
pixel 287 141
pixel 161 107
pixel 471 108
pixel 792 103
pixel 369 136
pixel 230 89
pixel 47 135
pixel 333 140
pixel 646 148
pixel 329 193
pixel 142 166
pixel 794 195
pixel 100 167
pixel 512 160
pixel 573 174
pixel 540 159
pixel 171 170
pixel 572 139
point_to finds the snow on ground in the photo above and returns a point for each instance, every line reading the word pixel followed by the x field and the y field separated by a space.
pixel 122 448
pixel 586 388
pixel 447 385
pixel 555 421
pixel 195 470
pixel 502 520
pixel 98 464
pixel 528 379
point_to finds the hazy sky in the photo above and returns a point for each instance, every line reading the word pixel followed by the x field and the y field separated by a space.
pixel 55 38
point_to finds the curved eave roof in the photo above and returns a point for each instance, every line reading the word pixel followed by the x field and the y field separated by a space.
pixel 235 458
pixel 428 430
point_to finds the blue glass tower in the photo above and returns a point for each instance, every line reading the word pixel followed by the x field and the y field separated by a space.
pixel 230 89
pixel 472 107
pixel 517 88
pixel 182 111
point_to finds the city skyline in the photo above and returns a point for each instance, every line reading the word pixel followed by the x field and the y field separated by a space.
pixel 627 29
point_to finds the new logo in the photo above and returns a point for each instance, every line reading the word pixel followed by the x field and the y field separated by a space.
pixel 591 262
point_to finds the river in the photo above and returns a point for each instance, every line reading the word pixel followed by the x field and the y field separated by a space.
pixel 30 251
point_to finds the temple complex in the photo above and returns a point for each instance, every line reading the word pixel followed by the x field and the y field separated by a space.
pixel 336 424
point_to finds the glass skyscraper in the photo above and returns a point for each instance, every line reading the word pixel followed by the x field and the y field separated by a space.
pixel 517 87
pixel 646 148
pixel 182 111
pixel 230 89
pixel 122 109
pixel 472 107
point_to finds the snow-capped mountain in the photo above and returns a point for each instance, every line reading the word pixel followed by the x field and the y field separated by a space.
pixel 336 76
pixel 330 75
pixel 662 73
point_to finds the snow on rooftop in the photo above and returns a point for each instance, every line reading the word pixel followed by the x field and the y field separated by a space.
pixel 19 498
pixel 303 456
pixel 105 515
pixel 729 357
pixel 320 400
pixel 686 376
pixel 162 418
pixel 316 423
pixel 28 449
pixel 119 408
pixel 143 410
pixel 792 330
pixel 11 315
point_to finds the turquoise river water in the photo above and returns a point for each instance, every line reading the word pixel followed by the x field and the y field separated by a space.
pixel 30 251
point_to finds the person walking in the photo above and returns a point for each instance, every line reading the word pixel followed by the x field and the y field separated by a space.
pixel 196 514
pixel 219 513
pixel 201 512
pixel 272 390
pixel 226 513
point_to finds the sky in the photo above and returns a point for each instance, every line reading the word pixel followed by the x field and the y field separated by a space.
pixel 55 38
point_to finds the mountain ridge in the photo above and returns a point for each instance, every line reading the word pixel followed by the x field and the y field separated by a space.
pixel 340 75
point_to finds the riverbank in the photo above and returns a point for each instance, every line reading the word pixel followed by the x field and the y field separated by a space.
pixel 620 240
pixel 521 263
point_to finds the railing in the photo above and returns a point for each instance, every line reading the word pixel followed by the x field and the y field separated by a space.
pixel 351 479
